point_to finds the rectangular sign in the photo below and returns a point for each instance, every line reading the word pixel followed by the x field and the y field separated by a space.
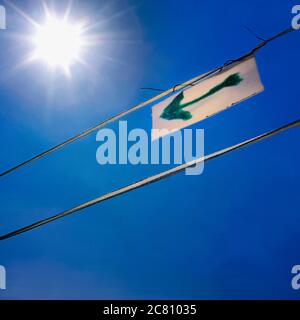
pixel 233 84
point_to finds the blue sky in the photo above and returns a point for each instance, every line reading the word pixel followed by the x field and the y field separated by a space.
pixel 232 232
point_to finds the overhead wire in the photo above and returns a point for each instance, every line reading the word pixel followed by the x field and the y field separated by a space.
pixel 143 104
pixel 152 179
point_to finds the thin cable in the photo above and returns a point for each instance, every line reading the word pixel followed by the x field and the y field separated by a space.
pixel 254 34
pixel 152 179
pixel 155 98
pixel 153 89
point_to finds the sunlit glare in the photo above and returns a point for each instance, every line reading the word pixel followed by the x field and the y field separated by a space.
pixel 61 41
pixel 58 43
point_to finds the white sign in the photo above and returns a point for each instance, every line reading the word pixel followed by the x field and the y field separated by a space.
pixel 232 85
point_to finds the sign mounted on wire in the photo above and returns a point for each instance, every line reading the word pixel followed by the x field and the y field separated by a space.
pixel 235 83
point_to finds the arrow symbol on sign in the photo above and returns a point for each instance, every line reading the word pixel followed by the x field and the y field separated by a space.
pixel 174 110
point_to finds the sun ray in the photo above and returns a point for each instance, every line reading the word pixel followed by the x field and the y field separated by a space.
pixel 60 42
pixel 26 16
pixel 68 10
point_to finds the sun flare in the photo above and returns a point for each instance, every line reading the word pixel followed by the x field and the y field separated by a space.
pixel 58 43
pixel 62 40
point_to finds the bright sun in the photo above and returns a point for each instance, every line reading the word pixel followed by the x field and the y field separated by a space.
pixel 58 43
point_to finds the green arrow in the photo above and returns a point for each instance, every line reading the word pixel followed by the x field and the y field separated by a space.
pixel 174 109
